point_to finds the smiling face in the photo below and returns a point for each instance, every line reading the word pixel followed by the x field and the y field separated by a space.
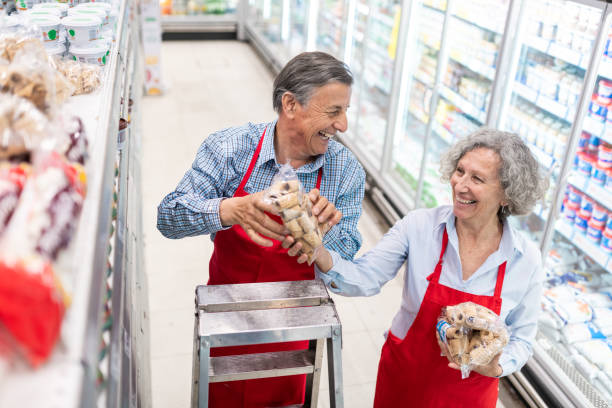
pixel 322 117
pixel 477 190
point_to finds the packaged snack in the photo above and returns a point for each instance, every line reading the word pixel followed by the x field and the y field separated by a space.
pixel 12 179
pixel 22 126
pixel 85 78
pixel 470 335
pixel 286 193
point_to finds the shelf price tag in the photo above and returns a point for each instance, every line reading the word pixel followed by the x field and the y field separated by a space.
pixel 552 106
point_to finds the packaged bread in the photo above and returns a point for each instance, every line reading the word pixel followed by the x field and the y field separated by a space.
pixel 470 335
pixel 295 208
pixel 85 78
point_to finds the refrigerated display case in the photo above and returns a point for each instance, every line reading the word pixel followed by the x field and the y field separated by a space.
pixel 200 16
pixel 433 71
pixel 330 26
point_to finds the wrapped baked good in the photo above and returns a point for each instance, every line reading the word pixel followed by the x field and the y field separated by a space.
pixel 85 78
pixel 22 126
pixel 12 180
pixel 295 208
pixel 470 335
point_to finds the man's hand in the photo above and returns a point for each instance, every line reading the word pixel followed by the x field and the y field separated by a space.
pixel 248 212
pixel 493 369
pixel 326 212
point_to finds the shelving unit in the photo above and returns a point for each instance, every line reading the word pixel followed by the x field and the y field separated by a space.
pixel 69 378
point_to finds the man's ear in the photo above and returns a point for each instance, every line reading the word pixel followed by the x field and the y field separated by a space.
pixel 290 104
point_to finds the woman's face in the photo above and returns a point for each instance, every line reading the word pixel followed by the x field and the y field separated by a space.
pixel 477 190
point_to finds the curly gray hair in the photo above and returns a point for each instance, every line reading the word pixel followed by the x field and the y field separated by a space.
pixel 519 173
pixel 305 73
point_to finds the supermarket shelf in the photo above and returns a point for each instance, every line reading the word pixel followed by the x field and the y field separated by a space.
pixel 546 160
pixel 596 128
pixel 433 8
pixel 598 193
pixel 558 51
pixel 544 102
pixel 462 103
pixel 482 23
pixel 419 115
pixel 444 133
pixel 377 49
pixel 425 81
pixel 225 23
pixel 384 19
pixel 333 19
pixel 605 67
pixel 428 45
pixel 474 65
pixel 68 378
pixel 581 241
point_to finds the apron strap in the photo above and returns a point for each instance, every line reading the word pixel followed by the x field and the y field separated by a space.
pixel 252 163
pixel 435 276
pixel 501 272
pixel 319 177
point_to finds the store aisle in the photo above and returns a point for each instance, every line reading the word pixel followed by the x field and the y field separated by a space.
pixel 212 85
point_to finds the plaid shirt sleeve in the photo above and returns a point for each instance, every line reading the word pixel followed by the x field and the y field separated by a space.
pixel 344 238
pixel 193 208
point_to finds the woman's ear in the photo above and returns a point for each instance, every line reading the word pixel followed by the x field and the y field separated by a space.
pixel 289 104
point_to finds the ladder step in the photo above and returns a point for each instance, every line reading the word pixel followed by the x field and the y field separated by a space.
pixel 264 295
pixel 261 365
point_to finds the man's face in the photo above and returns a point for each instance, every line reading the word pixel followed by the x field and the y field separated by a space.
pixel 323 116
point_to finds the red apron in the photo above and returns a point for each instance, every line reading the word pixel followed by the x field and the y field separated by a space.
pixel 411 372
pixel 237 259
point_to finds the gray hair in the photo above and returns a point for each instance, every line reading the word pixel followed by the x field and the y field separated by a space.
pixel 305 73
pixel 519 173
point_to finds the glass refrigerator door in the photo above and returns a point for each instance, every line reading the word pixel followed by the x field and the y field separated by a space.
pixel 555 41
pixel 473 39
pixel 268 17
pixel 297 29
pixel 329 27
pixel 421 63
pixel 372 59
pixel 579 270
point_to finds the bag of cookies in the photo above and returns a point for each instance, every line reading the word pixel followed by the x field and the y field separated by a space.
pixel 470 335
pixel 295 208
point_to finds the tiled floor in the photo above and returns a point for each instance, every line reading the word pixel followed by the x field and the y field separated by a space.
pixel 212 85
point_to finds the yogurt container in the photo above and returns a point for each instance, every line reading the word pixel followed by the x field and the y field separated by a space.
pixel 88 11
pixel 606 240
pixel 61 7
pixel 599 174
pixel 56 49
pixel 49 25
pixel 81 29
pixel 98 6
pixel 13 23
pixel 586 163
pixel 599 215
pixel 581 223
pixel 34 12
pixel 89 53
pixel 594 232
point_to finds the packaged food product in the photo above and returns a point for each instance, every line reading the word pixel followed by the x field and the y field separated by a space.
pixel 90 54
pixel 286 193
pixel 22 126
pixel 85 78
pixel 87 11
pixel 48 24
pixel 82 28
pixel 12 179
pixel 470 335
pixel 61 7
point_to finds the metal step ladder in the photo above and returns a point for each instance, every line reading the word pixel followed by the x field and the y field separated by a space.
pixel 257 313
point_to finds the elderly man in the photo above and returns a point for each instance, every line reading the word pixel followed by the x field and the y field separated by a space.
pixel 222 195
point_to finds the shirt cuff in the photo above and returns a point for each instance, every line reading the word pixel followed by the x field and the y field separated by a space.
pixel 210 215
pixel 507 364
pixel 329 276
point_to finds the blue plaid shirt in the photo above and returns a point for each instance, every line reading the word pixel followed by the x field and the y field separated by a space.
pixel 221 163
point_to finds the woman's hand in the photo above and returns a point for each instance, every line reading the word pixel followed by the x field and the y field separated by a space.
pixel 493 369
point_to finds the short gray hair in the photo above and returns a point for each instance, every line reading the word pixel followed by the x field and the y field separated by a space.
pixel 519 173
pixel 305 73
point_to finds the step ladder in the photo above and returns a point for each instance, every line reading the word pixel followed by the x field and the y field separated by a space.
pixel 256 313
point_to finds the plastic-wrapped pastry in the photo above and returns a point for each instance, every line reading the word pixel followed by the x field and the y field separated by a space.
pixel 472 334
pixel 286 193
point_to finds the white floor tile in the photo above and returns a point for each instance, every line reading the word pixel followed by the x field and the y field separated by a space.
pixel 171 381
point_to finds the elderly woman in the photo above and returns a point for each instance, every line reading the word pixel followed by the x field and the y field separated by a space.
pixel 453 254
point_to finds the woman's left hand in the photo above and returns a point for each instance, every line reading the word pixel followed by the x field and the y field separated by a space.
pixel 493 369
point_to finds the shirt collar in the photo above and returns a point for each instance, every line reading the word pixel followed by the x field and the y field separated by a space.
pixel 510 240
pixel 267 152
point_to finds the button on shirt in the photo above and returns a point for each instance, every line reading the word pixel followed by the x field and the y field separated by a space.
pixel 221 163
pixel 417 240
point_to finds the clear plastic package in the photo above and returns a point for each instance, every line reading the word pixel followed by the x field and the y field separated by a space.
pixel 470 335
pixel 295 208
pixel 22 126
pixel 85 78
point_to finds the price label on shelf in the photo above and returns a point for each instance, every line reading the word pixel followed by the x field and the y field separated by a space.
pixel 526 92
pixel 566 54
pixel 551 106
